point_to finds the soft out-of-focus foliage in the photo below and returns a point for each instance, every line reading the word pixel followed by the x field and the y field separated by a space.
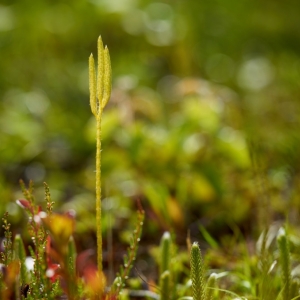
pixel 197 86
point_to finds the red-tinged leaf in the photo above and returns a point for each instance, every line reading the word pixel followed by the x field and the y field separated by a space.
pixel 83 260
pixel 52 255
pixel 71 213
pixel 48 245
pixel 25 204
pixel 53 272
pixel 13 269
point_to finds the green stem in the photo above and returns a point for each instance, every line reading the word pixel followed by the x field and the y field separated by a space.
pixel 98 193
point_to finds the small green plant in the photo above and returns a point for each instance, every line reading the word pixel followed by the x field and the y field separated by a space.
pixel 197 273
pixel 165 257
pixel 165 252
pixel 211 284
pixel 100 90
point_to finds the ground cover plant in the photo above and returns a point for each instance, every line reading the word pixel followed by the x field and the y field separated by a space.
pixel 58 271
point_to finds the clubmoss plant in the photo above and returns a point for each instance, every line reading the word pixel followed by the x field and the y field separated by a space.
pixel 197 273
pixel 72 266
pixel 164 285
pixel 264 265
pixel 100 90
pixel 211 283
pixel 165 254
pixel 165 257
pixel 285 263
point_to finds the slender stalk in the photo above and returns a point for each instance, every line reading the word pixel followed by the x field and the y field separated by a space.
pixel 98 193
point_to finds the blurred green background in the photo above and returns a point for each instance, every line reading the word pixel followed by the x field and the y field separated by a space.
pixel 199 87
